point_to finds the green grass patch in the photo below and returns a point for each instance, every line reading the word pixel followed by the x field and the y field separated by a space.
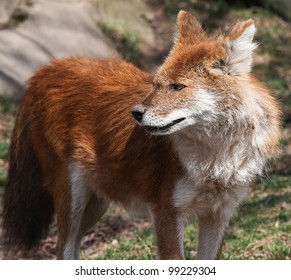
pixel 3 174
pixel 126 40
pixel 4 148
pixel 140 245
pixel 7 104
pixel 260 229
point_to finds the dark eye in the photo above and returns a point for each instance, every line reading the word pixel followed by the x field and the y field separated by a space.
pixel 177 87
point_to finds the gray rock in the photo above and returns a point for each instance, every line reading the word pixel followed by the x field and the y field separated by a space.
pixel 7 8
pixel 53 29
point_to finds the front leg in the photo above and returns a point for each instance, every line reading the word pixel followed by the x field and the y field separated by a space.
pixel 211 235
pixel 170 235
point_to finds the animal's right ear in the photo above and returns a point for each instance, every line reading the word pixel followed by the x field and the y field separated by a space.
pixel 240 47
pixel 189 30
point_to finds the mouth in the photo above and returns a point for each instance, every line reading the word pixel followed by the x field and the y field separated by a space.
pixel 162 129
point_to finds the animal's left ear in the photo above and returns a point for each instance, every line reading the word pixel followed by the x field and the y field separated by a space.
pixel 240 47
pixel 189 30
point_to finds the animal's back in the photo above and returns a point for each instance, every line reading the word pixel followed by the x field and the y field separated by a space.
pixel 81 114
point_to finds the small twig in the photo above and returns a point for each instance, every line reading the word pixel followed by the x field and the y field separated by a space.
pixel 264 242
pixel 148 248
pixel 259 245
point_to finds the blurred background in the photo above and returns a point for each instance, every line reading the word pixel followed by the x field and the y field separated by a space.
pixel 33 32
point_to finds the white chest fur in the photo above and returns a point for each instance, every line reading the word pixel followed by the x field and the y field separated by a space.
pixel 218 174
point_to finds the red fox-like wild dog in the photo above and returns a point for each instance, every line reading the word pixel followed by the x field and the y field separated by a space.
pixel 204 129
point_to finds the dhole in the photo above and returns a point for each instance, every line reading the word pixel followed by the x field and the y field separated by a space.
pixel 206 128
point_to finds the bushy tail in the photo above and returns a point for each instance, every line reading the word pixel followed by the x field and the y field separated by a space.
pixel 28 207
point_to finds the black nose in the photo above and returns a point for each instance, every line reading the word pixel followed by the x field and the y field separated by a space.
pixel 138 112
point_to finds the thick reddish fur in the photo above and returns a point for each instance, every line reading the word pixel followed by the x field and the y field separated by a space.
pixel 78 111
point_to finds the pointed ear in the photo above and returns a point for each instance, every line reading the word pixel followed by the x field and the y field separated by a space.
pixel 240 47
pixel 189 30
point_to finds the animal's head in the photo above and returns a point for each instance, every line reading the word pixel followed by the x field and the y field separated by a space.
pixel 201 81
